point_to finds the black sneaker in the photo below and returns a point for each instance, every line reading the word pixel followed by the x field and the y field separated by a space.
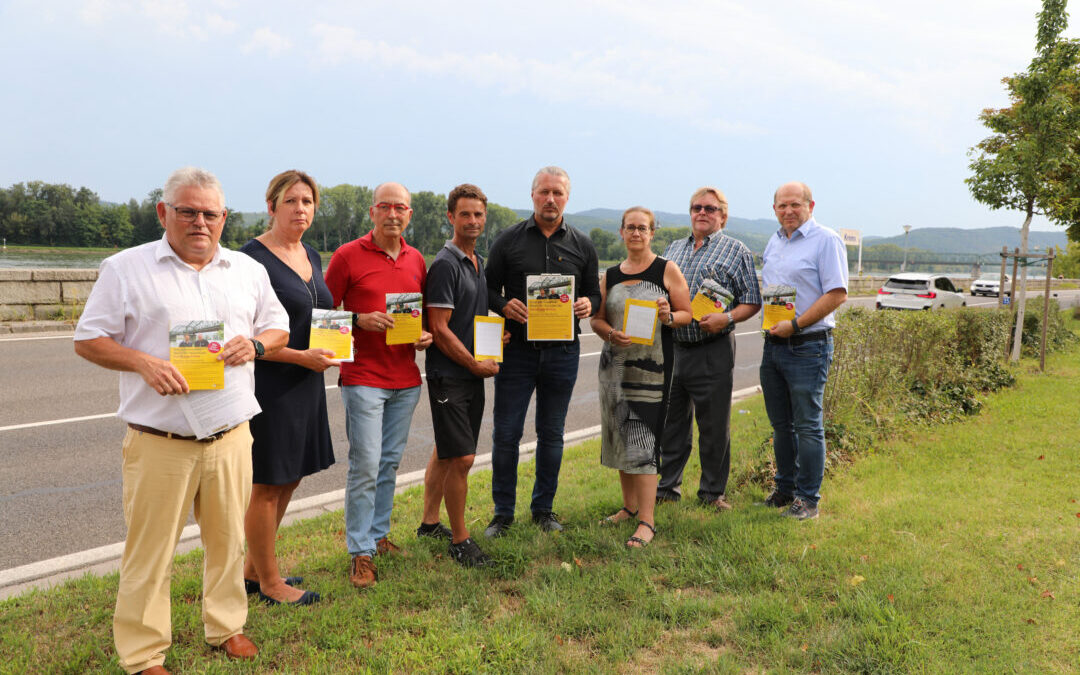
pixel 548 521
pixel 801 510
pixel 777 500
pixel 435 531
pixel 468 554
pixel 498 526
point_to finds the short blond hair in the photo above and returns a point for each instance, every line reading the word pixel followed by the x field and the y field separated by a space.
pixel 715 192
pixel 281 183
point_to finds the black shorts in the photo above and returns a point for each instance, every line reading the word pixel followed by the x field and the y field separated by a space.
pixel 457 410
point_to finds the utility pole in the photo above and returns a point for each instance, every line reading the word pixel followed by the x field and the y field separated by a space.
pixel 903 265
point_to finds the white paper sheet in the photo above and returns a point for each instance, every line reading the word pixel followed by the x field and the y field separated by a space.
pixel 640 321
pixel 488 338
pixel 209 412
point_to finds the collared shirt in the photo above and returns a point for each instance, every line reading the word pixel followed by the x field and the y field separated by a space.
pixel 522 249
pixel 456 284
pixel 725 260
pixel 360 274
pixel 143 291
pixel 813 261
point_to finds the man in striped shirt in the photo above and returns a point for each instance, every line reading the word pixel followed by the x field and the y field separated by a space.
pixel 705 352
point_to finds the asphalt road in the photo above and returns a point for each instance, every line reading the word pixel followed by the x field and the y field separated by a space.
pixel 60 489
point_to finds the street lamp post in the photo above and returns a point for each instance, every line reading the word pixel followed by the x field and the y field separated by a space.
pixel 903 265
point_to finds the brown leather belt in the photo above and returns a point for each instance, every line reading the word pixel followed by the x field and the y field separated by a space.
pixel 177 437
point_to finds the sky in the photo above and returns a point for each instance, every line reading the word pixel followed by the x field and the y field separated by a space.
pixel 873 104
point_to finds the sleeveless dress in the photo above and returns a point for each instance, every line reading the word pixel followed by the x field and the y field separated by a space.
pixel 292 433
pixel 634 380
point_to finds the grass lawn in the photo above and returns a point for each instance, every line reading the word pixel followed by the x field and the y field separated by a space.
pixel 952 549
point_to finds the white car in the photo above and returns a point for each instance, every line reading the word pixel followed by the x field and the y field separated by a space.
pixel 917 290
pixel 989 285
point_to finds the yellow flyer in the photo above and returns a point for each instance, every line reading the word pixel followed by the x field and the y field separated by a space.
pixel 550 301
pixel 487 338
pixel 639 320
pixel 332 329
pixel 778 307
pixel 405 310
pixel 193 348
pixel 711 298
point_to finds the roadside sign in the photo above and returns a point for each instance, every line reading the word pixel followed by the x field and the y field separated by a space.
pixel 1005 300
pixel 850 237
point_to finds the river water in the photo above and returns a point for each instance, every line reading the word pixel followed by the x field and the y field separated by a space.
pixel 45 259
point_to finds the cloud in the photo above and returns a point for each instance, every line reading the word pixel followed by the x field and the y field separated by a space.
pixel 219 24
pixel 266 41
pixel 612 77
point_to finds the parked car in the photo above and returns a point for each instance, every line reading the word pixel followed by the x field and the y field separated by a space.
pixel 989 285
pixel 917 290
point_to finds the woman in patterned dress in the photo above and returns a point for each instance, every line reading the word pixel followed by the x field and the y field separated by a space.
pixel 635 378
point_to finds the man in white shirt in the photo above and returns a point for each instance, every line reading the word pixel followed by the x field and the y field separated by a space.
pixel 182 448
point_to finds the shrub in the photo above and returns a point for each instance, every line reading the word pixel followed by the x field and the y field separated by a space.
pixel 922 367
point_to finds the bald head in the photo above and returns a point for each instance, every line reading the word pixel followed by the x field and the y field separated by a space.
pixel 803 188
pixel 793 205
pixel 383 190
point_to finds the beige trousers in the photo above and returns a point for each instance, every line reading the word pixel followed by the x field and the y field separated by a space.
pixel 162 479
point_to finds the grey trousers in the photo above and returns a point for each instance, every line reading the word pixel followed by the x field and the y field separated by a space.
pixel 700 388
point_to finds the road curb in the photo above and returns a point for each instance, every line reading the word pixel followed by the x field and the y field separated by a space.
pixel 105 559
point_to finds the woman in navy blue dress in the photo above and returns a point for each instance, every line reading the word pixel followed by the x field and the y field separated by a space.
pixel 291 434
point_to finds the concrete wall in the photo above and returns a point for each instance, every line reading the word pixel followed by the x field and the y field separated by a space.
pixel 26 295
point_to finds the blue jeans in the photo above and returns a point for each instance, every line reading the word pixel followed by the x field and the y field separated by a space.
pixel 793 383
pixel 552 372
pixel 377 424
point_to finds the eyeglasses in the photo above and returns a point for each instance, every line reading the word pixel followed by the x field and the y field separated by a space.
pixel 642 229
pixel 698 208
pixel 399 209
pixel 188 215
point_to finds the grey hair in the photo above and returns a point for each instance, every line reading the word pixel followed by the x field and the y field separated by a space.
pixel 190 176
pixel 552 171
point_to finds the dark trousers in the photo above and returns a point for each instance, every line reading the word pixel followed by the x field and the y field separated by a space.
pixel 551 372
pixel 700 388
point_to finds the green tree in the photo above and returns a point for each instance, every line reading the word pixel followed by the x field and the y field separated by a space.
pixel 1031 162
pixel 428 229
pixel 342 215
pixel 663 237
pixel 498 219
pixel 608 246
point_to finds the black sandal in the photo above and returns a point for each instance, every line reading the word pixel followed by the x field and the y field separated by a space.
pixel 641 543
pixel 612 520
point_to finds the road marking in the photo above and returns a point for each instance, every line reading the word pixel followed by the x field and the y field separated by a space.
pixel 68 336
pixel 31 425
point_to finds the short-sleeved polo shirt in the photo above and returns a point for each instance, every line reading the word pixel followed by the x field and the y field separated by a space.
pixel 454 283
pixel 360 274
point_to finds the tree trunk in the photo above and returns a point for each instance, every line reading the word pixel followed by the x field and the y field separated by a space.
pixel 1021 289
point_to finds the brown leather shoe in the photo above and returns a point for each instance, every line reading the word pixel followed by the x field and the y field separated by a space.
pixel 239 647
pixel 720 504
pixel 155 670
pixel 363 573
pixel 386 547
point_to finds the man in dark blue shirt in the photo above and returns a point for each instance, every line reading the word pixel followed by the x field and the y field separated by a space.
pixel 542 244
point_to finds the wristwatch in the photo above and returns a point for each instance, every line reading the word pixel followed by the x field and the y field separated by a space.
pixel 795 330
pixel 730 319
pixel 259 349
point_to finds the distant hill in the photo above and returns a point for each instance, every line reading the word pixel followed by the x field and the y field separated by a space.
pixel 981 241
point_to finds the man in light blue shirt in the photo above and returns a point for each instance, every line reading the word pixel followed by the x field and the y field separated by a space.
pixel 796 356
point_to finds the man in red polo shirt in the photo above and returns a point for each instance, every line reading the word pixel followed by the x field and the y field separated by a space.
pixel 381 386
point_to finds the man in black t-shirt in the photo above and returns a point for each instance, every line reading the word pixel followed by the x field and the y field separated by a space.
pixel 456 294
